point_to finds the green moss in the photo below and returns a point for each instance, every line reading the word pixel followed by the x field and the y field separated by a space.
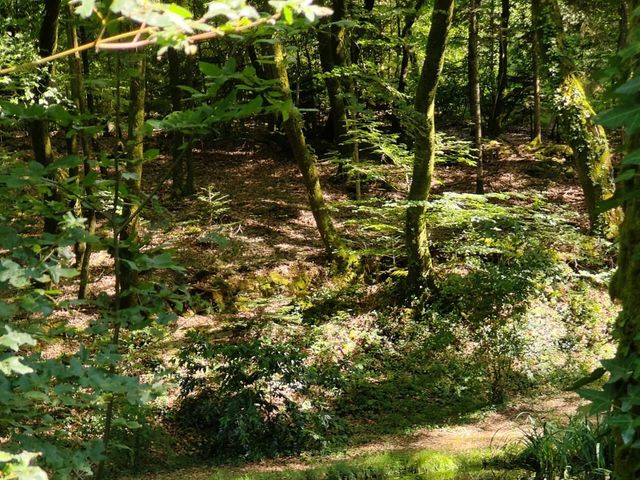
pixel 430 462
pixel 426 464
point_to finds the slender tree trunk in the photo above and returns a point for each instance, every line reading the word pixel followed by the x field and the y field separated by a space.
pixel 474 92
pixel 135 154
pixel 409 20
pixel 307 164
pixel 497 113
pixel 536 55
pixel 78 96
pixel 417 241
pixel 177 138
pixel 332 40
pixel 623 30
pixel 39 129
pixel 587 139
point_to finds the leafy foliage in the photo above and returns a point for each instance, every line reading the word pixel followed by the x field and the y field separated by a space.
pixel 255 398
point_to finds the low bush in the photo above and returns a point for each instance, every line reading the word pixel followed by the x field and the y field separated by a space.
pixel 256 398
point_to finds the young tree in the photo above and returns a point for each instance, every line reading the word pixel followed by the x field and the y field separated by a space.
pixel 474 91
pixel 416 232
pixel 306 161
pixel 409 19
pixel 39 129
pixel 535 62
pixel 497 112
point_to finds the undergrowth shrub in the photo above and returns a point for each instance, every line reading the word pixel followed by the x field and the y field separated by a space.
pixel 508 273
pixel 256 398
pixel 581 449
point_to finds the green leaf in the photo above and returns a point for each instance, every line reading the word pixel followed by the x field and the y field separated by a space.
pixel 287 13
pixel 7 311
pixel 629 88
pixel 151 154
pixel 627 174
pixel 12 365
pixel 178 10
pixel 13 273
pixel 85 9
pixel 627 116
pixel 57 272
pixel 600 401
pixel 210 70
pixel 13 340
pixel 632 158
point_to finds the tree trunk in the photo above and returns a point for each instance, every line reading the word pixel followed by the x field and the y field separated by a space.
pixel 536 55
pixel 623 30
pixel 497 113
pixel 409 20
pixel 135 154
pixel 307 164
pixel 625 287
pixel 332 40
pixel 587 139
pixel 78 96
pixel 417 241
pixel 177 138
pixel 39 129
pixel 474 92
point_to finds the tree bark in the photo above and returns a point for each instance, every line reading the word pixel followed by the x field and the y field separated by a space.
pixel 586 138
pixel 625 286
pixel 135 158
pixel 474 92
pixel 497 114
pixel 417 241
pixel 78 96
pixel 409 20
pixel 332 40
pixel 536 55
pixel 179 185
pixel 39 129
pixel 623 30
pixel 307 163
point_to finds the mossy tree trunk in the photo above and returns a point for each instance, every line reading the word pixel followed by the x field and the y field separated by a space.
pixel 587 139
pixel 39 129
pixel 474 91
pixel 625 286
pixel 416 232
pixel 497 113
pixel 307 163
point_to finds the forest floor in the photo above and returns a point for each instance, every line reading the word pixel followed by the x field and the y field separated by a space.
pixel 258 256
pixel 255 268
pixel 489 433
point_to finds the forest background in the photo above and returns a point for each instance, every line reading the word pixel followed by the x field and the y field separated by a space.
pixel 228 235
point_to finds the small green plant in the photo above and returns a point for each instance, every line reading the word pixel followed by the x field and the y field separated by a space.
pixel 216 203
pixel 583 448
